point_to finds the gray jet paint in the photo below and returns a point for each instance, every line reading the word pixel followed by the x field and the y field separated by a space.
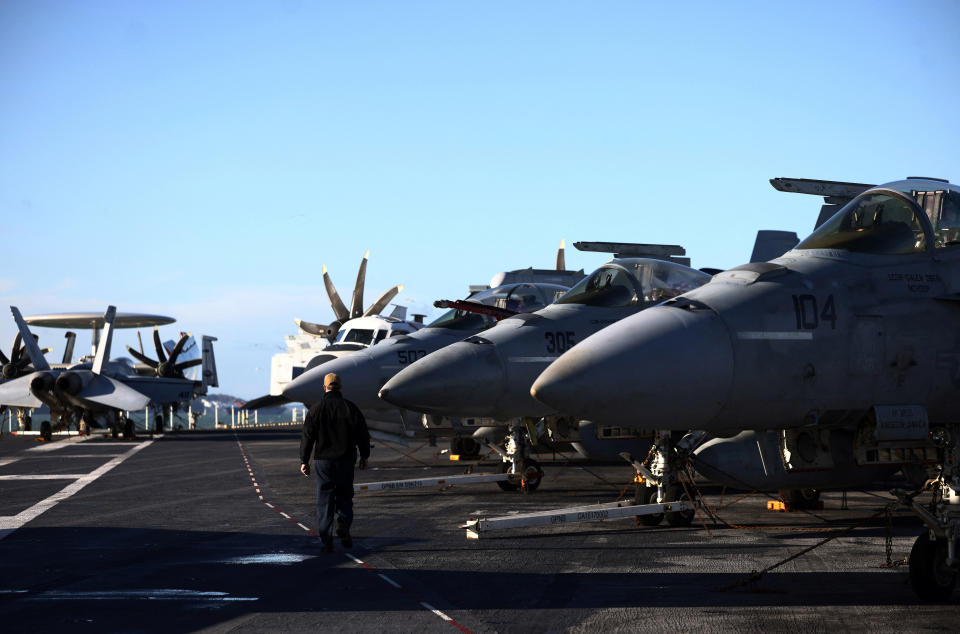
pixel 860 314
pixel 364 372
pixel 489 375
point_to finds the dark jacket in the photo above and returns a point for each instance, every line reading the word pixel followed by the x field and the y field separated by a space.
pixel 334 430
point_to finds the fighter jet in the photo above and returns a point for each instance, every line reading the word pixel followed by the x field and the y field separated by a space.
pixel 504 298
pixel 96 389
pixel 852 333
pixel 490 374
pixel 365 371
pixel 66 391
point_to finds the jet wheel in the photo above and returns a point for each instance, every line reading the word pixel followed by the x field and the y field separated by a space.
pixel 676 492
pixel 532 471
pixel 649 496
pixel 932 579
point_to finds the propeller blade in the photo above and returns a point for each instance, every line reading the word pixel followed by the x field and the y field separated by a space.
pixel 335 302
pixel 109 392
pixel 356 307
pixel 142 358
pixel 3 358
pixel 381 303
pixel 180 367
pixel 311 328
pixel 17 350
pixel 177 349
pixel 161 355
pixel 561 259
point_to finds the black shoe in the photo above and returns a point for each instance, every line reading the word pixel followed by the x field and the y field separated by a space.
pixel 327 547
pixel 344 535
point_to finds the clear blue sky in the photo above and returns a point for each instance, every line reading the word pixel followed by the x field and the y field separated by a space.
pixel 203 160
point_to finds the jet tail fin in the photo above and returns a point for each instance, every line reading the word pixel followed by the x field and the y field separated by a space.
pixel 772 244
pixel 209 376
pixel 33 350
pixel 102 357
pixel 399 312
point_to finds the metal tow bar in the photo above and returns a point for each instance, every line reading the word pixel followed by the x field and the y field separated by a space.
pixel 421 483
pixel 572 515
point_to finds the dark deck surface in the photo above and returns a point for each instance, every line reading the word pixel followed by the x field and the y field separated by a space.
pixel 175 538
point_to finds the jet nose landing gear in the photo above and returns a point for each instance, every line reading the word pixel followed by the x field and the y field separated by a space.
pixel 932 578
pixel 935 557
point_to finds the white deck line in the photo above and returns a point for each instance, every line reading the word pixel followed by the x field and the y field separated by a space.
pixel 60 444
pixel 10 523
pixel 43 476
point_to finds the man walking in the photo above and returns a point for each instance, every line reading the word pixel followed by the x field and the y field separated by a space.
pixel 334 430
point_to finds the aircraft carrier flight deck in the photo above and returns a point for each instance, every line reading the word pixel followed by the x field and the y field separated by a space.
pixel 213 531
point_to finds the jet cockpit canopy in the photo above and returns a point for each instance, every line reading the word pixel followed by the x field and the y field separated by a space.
pixel 902 217
pixel 630 281
pixel 521 298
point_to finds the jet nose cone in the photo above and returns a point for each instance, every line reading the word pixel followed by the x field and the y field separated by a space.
pixel 306 388
pixel 664 368
pixel 463 379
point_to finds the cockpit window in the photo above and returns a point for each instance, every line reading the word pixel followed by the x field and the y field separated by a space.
pixel 942 207
pixel 521 298
pixel 878 222
pixel 461 320
pixel 608 286
pixel 356 335
pixel 635 281
pixel 661 281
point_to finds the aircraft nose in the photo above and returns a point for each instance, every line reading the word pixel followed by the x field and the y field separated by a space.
pixel 662 368
pixel 359 378
pixel 306 388
pixel 462 379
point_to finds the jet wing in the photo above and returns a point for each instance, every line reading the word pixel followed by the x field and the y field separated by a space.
pixel 110 392
pixel 270 400
pixel 16 393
